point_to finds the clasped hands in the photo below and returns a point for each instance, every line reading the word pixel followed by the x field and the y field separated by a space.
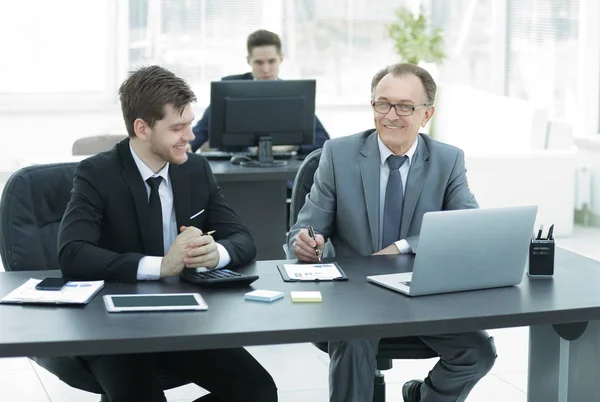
pixel 191 249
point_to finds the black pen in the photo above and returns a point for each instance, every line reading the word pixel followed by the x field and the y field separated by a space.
pixel 550 233
pixel 539 236
pixel 311 233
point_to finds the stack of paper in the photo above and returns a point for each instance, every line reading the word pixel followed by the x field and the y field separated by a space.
pixel 263 295
pixel 71 293
pixel 306 297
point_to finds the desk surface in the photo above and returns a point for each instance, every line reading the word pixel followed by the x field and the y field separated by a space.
pixel 223 170
pixel 226 171
pixel 349 309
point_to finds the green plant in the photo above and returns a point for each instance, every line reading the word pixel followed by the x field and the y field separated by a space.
pixel 415 39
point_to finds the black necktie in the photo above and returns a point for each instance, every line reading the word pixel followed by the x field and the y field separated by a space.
pixel 158 248
pixel 394 196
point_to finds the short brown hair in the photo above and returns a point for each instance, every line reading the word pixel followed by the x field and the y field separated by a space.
pixel 262 37
pixel 401 69
pixel 146 92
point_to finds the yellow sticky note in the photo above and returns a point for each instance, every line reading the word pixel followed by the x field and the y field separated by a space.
pixel 306 297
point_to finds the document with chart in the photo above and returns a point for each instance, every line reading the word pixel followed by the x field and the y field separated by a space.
pixel 311 272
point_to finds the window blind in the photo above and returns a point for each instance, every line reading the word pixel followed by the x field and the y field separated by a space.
pixel 541 64
pixel 199 40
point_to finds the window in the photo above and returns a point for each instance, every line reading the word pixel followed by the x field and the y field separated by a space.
pixel 199 40
pixel 341 43
pixel 474 33
pixel 542 53
pixel 59 50
pixel 526 49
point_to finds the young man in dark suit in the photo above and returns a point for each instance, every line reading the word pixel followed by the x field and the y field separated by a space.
pixel 134 215
pixel 264 57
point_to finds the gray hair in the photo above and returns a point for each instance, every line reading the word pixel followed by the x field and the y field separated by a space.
pixel 401 69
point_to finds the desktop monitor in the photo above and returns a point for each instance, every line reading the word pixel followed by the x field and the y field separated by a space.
pixel 262 114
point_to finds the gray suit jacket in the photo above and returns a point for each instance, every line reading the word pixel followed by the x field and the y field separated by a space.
pixel 343 204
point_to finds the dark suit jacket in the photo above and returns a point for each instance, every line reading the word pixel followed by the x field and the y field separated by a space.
pixel 106 227
pixel 201 128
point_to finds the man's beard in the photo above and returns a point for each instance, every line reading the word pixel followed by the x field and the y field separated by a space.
pixel 164 154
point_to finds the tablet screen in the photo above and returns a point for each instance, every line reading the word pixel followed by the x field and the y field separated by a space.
pixel 154 301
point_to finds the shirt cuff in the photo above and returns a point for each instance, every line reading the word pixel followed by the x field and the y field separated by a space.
pixel 403 246
pixel 224 257
pixel 149 268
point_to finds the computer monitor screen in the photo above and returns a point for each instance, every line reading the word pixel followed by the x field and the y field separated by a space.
pixel 262 114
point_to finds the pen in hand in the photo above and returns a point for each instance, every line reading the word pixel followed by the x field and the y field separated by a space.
pixel 311 233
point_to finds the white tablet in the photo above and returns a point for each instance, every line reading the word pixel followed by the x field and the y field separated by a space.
pixel 154 302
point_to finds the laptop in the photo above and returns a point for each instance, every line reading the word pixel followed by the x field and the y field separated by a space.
pixel 467 249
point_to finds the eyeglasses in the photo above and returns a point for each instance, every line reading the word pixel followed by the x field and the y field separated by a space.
pixel 401 109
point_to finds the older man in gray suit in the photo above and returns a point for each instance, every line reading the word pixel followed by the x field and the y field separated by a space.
pixel 369 196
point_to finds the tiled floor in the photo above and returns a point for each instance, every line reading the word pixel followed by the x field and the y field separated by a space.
pixel 300 370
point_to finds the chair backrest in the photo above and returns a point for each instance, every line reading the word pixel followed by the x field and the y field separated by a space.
pixel 304 181
pixel 32 205
pixel 31 209
pixel 96 144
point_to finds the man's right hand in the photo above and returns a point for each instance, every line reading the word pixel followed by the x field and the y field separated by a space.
pixel 304 246
pixel 173 262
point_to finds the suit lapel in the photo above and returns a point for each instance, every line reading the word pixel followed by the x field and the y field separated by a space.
pixel 181 195
pixel 369 171
pixel 414 184
pixel 136 185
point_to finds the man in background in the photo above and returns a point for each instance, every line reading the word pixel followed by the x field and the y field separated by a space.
pixel 264 57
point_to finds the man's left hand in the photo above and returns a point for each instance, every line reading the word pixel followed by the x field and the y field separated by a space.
pixel 391 249
pixel 202 252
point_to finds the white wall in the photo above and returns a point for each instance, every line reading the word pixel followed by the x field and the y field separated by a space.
pixel 481 121
pixel 47 137
pixel 588 154
pixel 542 178
pixel 27 136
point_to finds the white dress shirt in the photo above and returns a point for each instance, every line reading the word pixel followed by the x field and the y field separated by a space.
pixel 384 173
pixel 149 266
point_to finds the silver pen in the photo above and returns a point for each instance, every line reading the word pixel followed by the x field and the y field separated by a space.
pixel 311 233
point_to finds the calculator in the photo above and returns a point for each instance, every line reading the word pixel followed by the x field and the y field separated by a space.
pixel 216 278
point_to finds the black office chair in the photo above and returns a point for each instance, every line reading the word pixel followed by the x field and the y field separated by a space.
pixel 31 209
pixel 410 347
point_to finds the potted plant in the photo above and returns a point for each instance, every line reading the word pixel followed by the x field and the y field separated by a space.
pixel 415 39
